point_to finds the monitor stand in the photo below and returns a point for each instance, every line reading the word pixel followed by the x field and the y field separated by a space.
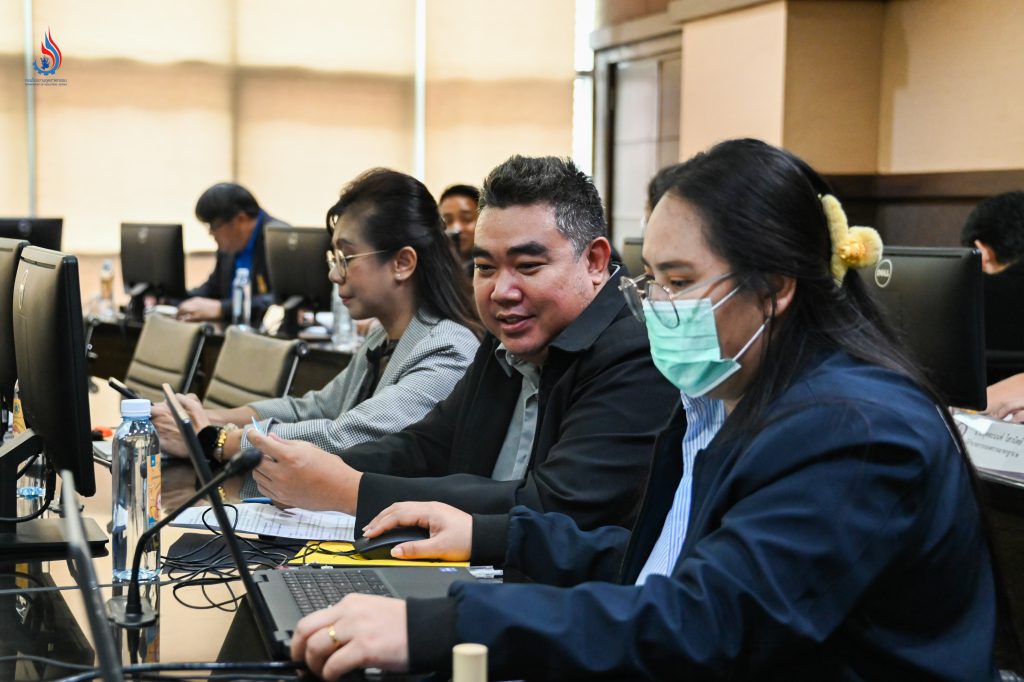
pixel 38 538
pixel 290 325
pixel 136 311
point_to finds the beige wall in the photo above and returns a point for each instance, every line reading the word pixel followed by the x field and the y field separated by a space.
pixel 833 64
pixel 734 69
pixel 293 101
pixel 951 86
pixel 499 82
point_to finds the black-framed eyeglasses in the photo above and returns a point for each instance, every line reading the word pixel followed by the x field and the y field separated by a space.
pixel 637 289
pixel 336 258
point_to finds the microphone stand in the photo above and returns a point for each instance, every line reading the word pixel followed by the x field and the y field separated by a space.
pixel 130 612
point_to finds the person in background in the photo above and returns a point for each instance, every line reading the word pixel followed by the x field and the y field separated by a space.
pixel 810 512
pixel 236 223
pixel 544 416
pixel 392 261
pixel 996 228
pixel 459 205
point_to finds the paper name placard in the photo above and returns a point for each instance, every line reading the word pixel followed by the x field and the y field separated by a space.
pixel 993 444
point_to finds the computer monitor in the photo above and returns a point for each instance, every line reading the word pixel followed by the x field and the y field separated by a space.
pixel 44 232
pixel 152 263
pixel 10 253
pixel 297 266
pixel 50 357
pixel 933 297
pixel 631 256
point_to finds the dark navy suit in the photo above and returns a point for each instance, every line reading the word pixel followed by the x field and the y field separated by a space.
pixel 839 541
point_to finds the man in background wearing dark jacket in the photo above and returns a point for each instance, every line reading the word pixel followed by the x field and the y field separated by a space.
pixel 236 223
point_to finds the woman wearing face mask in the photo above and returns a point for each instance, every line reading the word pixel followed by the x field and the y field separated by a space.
pixel 809 512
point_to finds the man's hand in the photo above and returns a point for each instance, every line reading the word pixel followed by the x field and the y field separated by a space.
pixel 1006 398
pixel 451 530
pixel 360 631
pixel 295 473
pixel 198 309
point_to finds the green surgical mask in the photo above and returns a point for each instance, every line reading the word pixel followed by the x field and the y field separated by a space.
pixel 689 354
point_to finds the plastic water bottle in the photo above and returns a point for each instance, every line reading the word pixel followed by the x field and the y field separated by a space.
pixel 105 309
pixel 135 470
pixel 31 487
pixel 241 299
pixel 343 331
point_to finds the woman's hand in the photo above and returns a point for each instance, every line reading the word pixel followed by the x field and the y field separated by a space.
pixel 451 530
pixel 295 473
pixel 360 631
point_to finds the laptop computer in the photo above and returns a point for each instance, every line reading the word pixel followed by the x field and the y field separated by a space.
pixel 279 598
pixel 107 652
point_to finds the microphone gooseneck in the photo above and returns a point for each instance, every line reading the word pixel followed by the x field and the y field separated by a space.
pixel 130 612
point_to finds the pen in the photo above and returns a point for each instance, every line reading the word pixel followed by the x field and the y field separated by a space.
pixel 258 500
pixel 256 425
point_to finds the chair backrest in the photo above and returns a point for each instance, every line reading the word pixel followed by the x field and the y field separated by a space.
pixel 167 352
pixel 252 367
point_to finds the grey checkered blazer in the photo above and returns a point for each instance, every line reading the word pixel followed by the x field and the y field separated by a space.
pixel 428 361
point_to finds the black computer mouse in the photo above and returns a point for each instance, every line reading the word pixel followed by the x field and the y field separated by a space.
pixel 380 546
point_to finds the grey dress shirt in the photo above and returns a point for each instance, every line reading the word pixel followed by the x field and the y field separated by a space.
pixel 514 457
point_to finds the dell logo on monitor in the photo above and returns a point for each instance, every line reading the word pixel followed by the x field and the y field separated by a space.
pixel 143 235
pixel 883 273
pixel 293 241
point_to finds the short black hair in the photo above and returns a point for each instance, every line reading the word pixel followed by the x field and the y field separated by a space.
pixel 524 181
pixel 224 200
pixel 468 191
pixel 998 222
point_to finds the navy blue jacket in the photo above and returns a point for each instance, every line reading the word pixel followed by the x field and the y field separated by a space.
pixel 218 285
pixel 841 540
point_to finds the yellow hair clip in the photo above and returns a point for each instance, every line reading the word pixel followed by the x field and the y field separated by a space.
pixel 852 247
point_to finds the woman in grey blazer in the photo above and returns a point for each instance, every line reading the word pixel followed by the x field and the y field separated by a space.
pixel 392 261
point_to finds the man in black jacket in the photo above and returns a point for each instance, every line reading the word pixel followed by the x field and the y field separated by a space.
pixel 236 223
pixel 561 405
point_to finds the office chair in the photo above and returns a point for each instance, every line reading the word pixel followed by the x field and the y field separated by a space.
pixel 252 367
pixel 167 351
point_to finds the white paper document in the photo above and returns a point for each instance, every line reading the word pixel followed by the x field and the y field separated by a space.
pixel 993 445
pixel 266 519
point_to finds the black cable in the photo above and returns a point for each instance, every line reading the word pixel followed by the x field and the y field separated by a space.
pixel 143 668
pixel 14 658
pixel 28 464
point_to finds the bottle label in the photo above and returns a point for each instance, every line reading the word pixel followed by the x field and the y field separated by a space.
pixel 153 489
pixel 18 419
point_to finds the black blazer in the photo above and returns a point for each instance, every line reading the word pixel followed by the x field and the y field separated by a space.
pixel 600 406
pixel 218 286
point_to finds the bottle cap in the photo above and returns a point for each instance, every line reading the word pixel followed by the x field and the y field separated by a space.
pixel 136 407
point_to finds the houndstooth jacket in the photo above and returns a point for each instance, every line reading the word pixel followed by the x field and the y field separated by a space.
pixel 427 362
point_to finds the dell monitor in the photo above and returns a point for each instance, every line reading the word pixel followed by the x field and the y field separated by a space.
pixel 44 232
pixel 297 267
pixel 10 254
pixel 50 358
pixel 933 297
pixel 152 263
pixel 632 258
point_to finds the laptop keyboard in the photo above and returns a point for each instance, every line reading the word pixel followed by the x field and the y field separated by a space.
pixel 317 589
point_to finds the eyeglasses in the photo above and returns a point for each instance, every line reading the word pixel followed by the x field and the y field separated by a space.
pixel 636 289
pixel 336 258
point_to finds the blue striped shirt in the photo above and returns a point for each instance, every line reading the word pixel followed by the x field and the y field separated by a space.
pixel 704 418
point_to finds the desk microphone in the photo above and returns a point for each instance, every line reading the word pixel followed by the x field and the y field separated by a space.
pixel 131 612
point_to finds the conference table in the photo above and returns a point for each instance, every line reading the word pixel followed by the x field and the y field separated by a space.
pixel 53 622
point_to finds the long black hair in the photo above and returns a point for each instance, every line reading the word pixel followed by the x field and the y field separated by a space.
pixel 396 210
pixel 763 215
